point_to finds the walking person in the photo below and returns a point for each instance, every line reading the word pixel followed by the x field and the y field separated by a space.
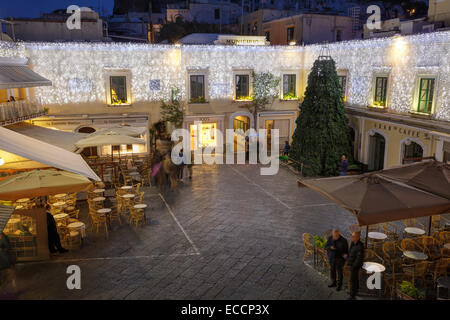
pixel 355 261
pixel 54 242
pixel 181 165
pixel 337 248
pixel 286 148
pixel 343 166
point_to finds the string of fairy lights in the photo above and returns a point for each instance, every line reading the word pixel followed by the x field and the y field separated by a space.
pixel 79 70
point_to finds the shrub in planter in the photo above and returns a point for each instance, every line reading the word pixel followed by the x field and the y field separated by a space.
pixel 319 242
pixel 407 291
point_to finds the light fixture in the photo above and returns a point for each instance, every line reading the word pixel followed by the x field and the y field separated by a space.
pixel 2 161
pixel 292 43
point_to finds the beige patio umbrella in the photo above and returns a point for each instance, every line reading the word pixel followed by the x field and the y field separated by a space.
pixel 42 183
pixel 110 138
pixel 122 130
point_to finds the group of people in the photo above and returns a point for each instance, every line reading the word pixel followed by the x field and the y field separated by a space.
pixel 340 254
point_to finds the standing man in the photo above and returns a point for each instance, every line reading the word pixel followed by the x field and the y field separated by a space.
pixel 343 166
pixel 54 242
pixel 337 248
pixel 355 261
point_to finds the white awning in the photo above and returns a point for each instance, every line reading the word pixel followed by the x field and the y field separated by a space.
pixel 44 153
pixel 20 76
pixel 62 139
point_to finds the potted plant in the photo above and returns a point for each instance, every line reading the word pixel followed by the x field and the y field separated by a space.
pixel 407 291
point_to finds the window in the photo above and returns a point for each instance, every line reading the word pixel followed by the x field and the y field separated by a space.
pixel 343 83
pixel 217 13
pixel 289 86
pixel 426 92
pixel 413 152
pixel 290 34
pixel 380 91
pixel 118 89
pixel 242 87
pixel 197 88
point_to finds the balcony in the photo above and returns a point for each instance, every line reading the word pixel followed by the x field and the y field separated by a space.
pixel 17 111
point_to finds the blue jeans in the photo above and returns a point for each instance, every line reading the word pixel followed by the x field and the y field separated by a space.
pixel 342 173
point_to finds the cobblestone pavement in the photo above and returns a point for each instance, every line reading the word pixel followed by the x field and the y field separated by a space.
pixel 230 233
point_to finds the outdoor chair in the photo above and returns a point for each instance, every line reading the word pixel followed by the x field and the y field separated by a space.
pixel 444 237
pixel 114 215
pixel 139 198
pixel 390 255
pixel 74 214
pixel 309 247
pixel 416 271
pixel 99 221
pixel 327 234
pixel 390 230
pixel 70 239
pixel 430 246
pixel 436 222
pixel 372 256
pixel 410 245
pixel 137 216
pixel 440 269
pixel 413 223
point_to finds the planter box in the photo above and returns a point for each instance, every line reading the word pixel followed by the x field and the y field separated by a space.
pixel 404 296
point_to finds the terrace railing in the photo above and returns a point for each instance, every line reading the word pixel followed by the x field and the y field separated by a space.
pixel 21 110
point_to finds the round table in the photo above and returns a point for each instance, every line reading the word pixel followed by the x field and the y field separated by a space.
pixel 415 231
pixel 373 267
pixel 78 226
pixel 415 255
pixel 60 217
pixel 98 191
pixel 140 206
pixel 59 204
pixel 377 235
pixel 447 246
pixel 23 200
pixel 126 187
pixel 104 210
pixel 99 199
pixel 70 209
pixel 13 221
pixel 60 195
pixel 20 207
pixel 128 196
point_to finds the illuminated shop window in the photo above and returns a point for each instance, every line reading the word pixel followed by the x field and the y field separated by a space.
pixel 203 135
pixel 380 91
pixel 118 89
pixel 426 95
pixel 289 86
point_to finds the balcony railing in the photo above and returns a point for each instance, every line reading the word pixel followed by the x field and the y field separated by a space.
pixel 21 110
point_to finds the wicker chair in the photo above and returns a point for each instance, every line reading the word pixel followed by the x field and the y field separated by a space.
pixel 390 253
pixel 430 246
pixel 114 215
pixel 74 214
pixel 416 271
pixel 309 246
pixel 436 222
pixel 440 268
pixel 98 222
pixel 410 245
pixel 390 230
pixel 327 234
pixel 137 216
pixel 70 239
pixel 413 223
pixel 371 255
pixel 444 237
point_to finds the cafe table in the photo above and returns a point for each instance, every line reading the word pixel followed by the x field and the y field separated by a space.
pixel 98 191
pixel 371 267
pixel 415 255
pixel 128 196
pixel 59 204
pixel 377 235
pixel 415 231
pixel 447 246
pixel 78 226
pixel 61 217
pixel 60 195
pixel 126 187
pixel 140 206
pixel 23 200
pixel 99 199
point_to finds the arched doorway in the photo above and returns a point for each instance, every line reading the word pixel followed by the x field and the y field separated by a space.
pixel 86 130
pixel 412 152
pixel 377 146
pixel 241 120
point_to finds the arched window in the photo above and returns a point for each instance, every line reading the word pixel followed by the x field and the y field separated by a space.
pixel 86 130
pixel 413 152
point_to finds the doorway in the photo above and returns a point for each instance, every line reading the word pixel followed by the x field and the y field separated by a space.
pixel 377 145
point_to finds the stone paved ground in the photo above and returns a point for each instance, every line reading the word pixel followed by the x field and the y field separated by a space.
pixel 230 233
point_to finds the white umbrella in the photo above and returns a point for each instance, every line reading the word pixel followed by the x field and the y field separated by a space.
pixel 123 130
pixel 107 139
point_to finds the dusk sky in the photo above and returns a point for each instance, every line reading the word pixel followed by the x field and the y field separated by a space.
pixel 32 8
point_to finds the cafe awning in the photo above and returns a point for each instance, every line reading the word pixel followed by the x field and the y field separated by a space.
pixel 16 75
pixel 62 139
pixel 45 153
pixel 374 199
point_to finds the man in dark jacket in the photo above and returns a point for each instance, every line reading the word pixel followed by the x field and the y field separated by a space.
pixel 355 261
pixel 54 242
pixel 337 248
